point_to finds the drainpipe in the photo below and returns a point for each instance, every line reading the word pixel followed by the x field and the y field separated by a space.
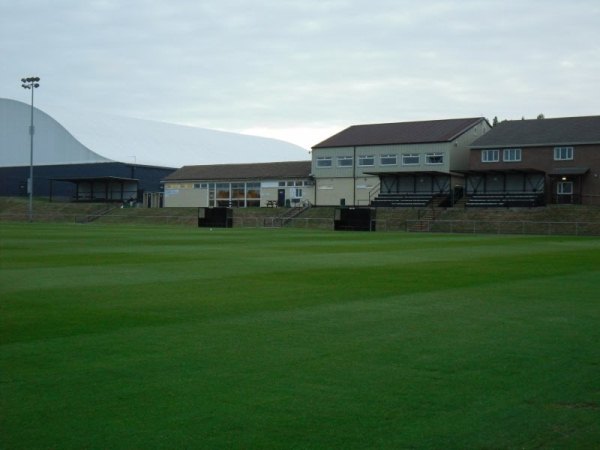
pixel 354 176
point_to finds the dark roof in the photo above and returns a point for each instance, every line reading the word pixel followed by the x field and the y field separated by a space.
pixel 100 179
pixel 252 171
pixel 538 132
pixel 416 173
pixel 569 171
pixel 499 171
pixel 401 133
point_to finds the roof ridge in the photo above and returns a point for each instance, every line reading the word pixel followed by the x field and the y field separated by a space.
pixel 398 133
pixel 418 121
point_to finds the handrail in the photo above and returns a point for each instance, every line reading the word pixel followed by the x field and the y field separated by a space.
pixel 96 215
pixel 374 192
pixel 293 214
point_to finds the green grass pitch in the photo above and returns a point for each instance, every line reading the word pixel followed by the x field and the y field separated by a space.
pixel 165 337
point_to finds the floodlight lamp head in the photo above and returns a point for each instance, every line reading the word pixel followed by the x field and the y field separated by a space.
pixel 23 80
pixel 36 79
pixel 36 85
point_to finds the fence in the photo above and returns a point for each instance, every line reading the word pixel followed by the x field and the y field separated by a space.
pixel 103 219
pixel 508 227
pixel 321 223
pixel 324 223
pixel 188 220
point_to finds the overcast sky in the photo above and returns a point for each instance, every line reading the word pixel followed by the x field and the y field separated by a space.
pixel 301 70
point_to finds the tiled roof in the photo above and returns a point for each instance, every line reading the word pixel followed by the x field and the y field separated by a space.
pixel 537 132
pixel 254 171
pixel 400 133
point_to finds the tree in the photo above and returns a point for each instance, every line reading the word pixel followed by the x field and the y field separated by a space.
pixel 495 121
pixel 541 116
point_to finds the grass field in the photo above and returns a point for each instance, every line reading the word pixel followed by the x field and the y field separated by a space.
pixel 158 337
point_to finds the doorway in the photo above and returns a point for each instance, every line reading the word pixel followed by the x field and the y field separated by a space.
pixel 281 198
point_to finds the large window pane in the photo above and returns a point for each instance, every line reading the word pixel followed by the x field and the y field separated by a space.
pixel 238 191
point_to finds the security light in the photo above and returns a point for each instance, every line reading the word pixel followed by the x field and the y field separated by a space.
pixel 31 83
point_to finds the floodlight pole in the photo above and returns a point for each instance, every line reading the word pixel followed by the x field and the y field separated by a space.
pixel 31 83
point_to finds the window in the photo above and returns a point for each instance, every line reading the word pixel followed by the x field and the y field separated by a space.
pixel 237 190
pixel 511 154
pixel 490 155
pixel 410 159
pixel 564 188
pixel 252 191
pixel 563 153
pixel 366 160
pixel 324 161
pixel 222 194
pixel 196 185
pixel 345 161
pixel 234 194
pixel 282 183
pixel 389 160
pixel 297 193
pixel 434 158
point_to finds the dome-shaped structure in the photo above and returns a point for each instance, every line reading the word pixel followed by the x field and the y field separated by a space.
pixel 71 146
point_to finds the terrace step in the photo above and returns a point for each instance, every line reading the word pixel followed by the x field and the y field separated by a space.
pixel 402 199
pixel 505 200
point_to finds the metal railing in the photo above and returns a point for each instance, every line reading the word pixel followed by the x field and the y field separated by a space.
pixel 374 192
pixel 103 219
pixel 504 227
pixel 573 228
pixel 323 223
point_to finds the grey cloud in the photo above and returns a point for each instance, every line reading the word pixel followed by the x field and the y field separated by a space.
pixel 234 64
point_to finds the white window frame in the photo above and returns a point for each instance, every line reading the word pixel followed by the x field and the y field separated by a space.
pixel 346 159
pixel 324 159
pixel 561 185
pixel 563 153
pixel 428 156
pixel 511 155
pixel 490 156
pixel 411 155
pixel 391 156
pixel 362 158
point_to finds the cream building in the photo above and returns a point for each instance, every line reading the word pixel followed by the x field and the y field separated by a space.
pixel 241 185
pixel 386 163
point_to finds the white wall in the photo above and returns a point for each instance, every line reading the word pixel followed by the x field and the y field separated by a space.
pixel 53 144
